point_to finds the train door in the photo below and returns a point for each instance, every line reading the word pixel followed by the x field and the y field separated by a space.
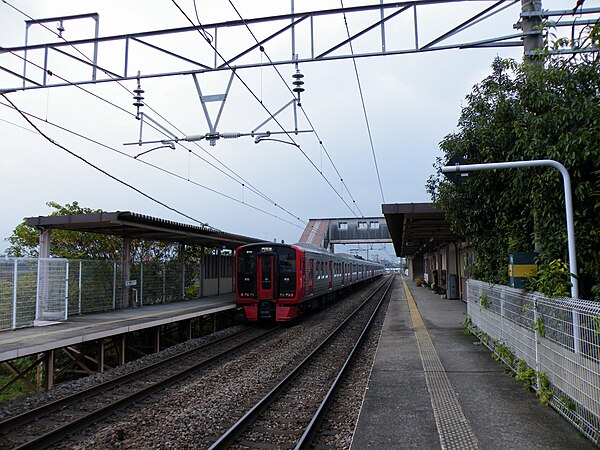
pixel 343 273
pixel 266 276
pixel 311 276
pixel 330 274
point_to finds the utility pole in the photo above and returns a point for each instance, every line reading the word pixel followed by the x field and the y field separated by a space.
pixel 531 42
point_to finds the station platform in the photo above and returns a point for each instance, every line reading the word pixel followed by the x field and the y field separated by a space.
pixel 426 362
pixel 94 327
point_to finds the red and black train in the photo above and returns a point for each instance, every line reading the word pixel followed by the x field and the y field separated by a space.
pixel 277 282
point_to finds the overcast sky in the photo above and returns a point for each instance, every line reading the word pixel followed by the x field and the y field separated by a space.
pixel 412 102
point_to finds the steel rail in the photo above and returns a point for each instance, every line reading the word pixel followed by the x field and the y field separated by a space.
pixel 311 430
pixel 228 438
pixel 72 427
pixel 18 420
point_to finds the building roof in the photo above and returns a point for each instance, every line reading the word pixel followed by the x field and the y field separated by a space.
pixel 140 226
pixel 416 227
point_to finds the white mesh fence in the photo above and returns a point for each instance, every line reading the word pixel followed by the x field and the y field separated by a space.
pixel 94 286
pixel 18 291
pixel 52 289
pixel 558 338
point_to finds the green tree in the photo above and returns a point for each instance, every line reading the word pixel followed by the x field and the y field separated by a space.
pixel 524 112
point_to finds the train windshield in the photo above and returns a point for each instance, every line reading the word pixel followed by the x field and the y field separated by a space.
pixel 246 271
pixel 287 270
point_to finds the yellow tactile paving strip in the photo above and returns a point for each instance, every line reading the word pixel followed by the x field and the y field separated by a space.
pixel 453 427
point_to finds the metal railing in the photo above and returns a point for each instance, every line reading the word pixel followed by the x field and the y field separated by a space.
pixel 559 338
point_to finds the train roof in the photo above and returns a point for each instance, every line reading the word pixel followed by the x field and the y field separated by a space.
pixel 309 247
pixel 313 248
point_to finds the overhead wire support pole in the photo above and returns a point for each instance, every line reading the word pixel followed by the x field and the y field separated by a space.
pixel 61 19
pixel 153 124
pixel 458 168
pixel 382 15
pixel 283 23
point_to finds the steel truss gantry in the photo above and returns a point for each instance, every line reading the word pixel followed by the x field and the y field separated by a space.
pixel 299 30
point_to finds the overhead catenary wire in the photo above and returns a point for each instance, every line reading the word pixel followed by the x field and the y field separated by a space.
pixel 99 169
pixel 243 182
pixel 240 180
pixel 293 142
pixel 154 166
pixel 364 108
pixel 263 51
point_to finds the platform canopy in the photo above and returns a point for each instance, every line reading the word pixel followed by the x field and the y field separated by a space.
pixel 139 226
pixel 416 227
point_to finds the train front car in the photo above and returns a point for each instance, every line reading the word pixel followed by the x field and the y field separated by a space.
pixel 270 281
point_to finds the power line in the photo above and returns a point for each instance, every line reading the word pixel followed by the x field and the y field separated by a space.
pixel 364 108
pixel 293 142
pixel 154 166
pixel 244 183
pixel 240 180
pixel 99 169
pixel 301 107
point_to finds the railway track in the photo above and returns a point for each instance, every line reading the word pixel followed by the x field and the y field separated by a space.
pixel 290 414
pixel 47 425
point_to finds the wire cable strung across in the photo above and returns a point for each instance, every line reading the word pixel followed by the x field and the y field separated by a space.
pixel 166 171
pixel 240 180
pixel 301 108
pixel 243 182
pixel 364 108
pixel 99 169
pixel 293 142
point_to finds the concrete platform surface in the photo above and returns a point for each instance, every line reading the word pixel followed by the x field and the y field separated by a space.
pixel 397 412
pixel 89 327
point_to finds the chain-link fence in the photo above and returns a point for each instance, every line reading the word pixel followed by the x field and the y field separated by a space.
pixel 158 282
pixel 94 286
pixel 18 291
pixel 59 287
pixel 558 339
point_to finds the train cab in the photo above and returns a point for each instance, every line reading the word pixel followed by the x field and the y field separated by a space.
pixel 277 282
pixel 269 281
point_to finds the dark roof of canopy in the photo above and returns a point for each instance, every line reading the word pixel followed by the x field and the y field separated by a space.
pixel 140 226
pixel 416 227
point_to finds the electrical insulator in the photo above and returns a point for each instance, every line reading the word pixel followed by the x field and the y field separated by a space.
pixel 298 83
pixel 60 27
pixel 230 135
pixel 138 98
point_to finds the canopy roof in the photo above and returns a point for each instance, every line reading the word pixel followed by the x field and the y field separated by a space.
pixel 140 226
pixel 416 227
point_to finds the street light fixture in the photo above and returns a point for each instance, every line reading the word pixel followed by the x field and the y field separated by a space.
pixel 459 168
